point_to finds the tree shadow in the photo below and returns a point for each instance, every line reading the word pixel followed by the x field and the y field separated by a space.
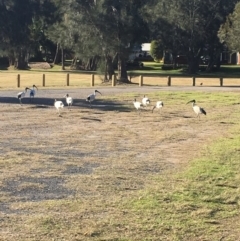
pixel 42 103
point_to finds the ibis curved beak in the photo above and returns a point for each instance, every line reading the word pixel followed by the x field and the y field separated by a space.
pixel 35 87
pixel 98 92
pixel 153 108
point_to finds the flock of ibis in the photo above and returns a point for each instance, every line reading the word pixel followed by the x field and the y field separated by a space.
pixel 90 98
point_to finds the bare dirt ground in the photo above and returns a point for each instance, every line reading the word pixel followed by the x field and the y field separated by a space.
pixel 99 154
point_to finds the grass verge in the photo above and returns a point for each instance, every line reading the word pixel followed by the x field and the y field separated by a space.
pixel 196 203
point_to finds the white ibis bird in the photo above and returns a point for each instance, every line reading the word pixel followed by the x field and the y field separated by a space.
pixel 33 91
pixel 198 110
pixel 137 104
pixel 58 105
pixel 69 100
pixel 158 105
pixel 22 94
pixel 145 101
pixel 92 97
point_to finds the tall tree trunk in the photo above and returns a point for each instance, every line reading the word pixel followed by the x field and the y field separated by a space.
pixel 109 70
pixel 193 61
pixel 56 57
pixel 74 63
pixel 92 63
pixel 193 65
pixel 11 60
pixel 122 70
pixel 63 59
pixel 20 61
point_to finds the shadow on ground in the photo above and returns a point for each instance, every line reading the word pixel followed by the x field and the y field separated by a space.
pixel 78 103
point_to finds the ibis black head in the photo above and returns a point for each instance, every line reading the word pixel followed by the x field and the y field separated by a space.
pixel 66 95
pixel 27 89
pixel 191 101
pixel 98 92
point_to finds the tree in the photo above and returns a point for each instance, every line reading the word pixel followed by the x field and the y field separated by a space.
pixel 23 29
pixel 189 27
pixel 156 50
pixel 106 29
pixel 229 32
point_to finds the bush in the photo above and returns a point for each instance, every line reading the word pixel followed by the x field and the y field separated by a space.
pixel 156 50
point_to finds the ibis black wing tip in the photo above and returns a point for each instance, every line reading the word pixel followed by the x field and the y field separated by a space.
pixel 203 111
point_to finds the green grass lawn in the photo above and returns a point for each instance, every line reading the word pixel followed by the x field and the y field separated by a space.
pixel 153 68
pixel 200 199
pixel 150 68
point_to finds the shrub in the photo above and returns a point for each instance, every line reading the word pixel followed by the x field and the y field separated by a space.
pixel 156 50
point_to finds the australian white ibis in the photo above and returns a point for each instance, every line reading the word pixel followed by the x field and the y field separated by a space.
pixel 158 105
pixel 137 104
pixel 33 91
pixel 22 94
pixel 69 100
pixel 58 105
pixel 198 110
pixel 145 101
pixel 92 97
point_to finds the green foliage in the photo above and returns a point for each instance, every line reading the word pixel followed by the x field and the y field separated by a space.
pixel 105 27
pixel 24 28
pixel 229 32
pixel 189 26
pixel 156 50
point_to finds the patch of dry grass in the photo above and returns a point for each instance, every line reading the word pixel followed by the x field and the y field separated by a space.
pixel 52 79
pixel 74 177
pixel 58 79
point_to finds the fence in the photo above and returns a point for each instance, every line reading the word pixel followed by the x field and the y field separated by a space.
pixel 91 80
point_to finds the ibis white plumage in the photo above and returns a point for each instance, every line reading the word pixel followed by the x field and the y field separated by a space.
pixel 33 91
pixel 137 105
pixel 22 94
pixel 92 97
pixel 69 100
pixel 158 105
pixel 58 105
pixel 197 109
pixel 145 101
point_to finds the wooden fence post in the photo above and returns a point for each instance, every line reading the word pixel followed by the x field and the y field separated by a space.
pixel 67 79
pixel 18 80
pixel 140 80
pixel 221 81
pixel 92 80
pixel 193 81
pixel 43 80
pixel 169 81
pixel 114 80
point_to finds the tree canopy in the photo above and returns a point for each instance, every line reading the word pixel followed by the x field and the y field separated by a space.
pixel 229 33
pixel 101 33
pixel 189 26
